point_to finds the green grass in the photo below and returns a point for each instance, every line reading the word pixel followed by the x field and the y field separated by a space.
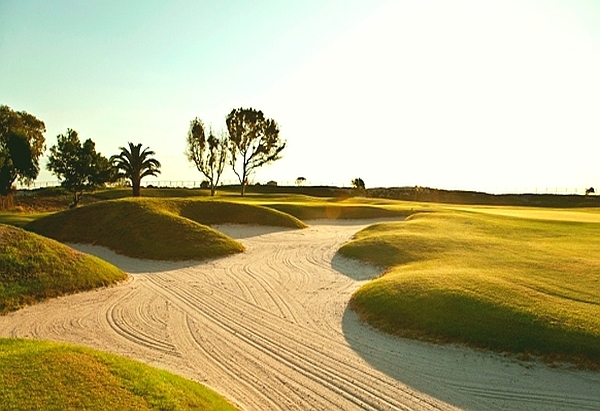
pixel 19 219
pixel 588 215
pixel 306 208
pixel 115 193
pixel 216 211
pixel 509 284
pixel 159 229
pixel 337 210
pixel 36 375
pixel 34 268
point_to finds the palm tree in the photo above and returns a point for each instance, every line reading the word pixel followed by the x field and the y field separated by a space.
pixel 134 165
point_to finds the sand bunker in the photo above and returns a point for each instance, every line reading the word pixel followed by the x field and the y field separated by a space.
pixel 270 330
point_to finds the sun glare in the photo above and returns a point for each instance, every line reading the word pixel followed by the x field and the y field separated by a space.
pixel 487 95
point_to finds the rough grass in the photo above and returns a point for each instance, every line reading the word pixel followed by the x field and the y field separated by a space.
pixel 509 284
pixel 37 375
pixel 160 229
pixel 34 268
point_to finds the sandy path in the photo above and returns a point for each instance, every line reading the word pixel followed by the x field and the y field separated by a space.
pixel 269 330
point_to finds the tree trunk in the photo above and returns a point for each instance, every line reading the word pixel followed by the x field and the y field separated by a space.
pixel 136 188
pixel 76 198
pixel 6 202
pixel 244 178
pixel 213 190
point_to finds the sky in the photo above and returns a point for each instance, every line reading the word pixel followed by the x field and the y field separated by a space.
pixel 496 96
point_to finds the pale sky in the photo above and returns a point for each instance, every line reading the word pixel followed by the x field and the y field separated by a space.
pixel 497 96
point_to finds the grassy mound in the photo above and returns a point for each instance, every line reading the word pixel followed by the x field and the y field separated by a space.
pixel 337 210
pixel 212 212
pixel 160 229
pixel 139 228
pixel 508 284
pixel 37 375
pixel 114 193
pixel 33 268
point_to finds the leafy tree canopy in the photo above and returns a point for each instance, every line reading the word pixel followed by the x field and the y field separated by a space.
pixel 133 163
pixel 358 183
pixel 21 145
pixel 253 141
pixel 79 167
pixel 209 154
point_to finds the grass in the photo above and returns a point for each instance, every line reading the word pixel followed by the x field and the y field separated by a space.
pixel 19 219
pixel 37 375
pixel 159 229
pixel 114 193
pixel 337 210
pixel 589 215
pixel 34 268
pixel 136 228
pixel 510 284
pixel 304 207
pixel 216 211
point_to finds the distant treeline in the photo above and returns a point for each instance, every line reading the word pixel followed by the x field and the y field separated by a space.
pixel 426 194
pixel 421 194
pixel 478 198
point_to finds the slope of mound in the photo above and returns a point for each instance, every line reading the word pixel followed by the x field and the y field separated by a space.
pixel 50 376
pixel 33 268
pixel 160 229
pixel 337 210
pixel 139 228
pixel 507 284
pixel 221 212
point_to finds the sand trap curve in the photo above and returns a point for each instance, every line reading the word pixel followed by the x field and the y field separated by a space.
pixel 269 330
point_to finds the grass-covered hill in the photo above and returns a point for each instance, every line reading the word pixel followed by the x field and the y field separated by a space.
pixel 516 285
pixel 34 268
pixel 38 375
pixel 338 210
pixel 159 229
pixel 214 212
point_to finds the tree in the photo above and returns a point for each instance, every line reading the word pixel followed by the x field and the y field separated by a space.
pixel 253 141
pixel 135 164
pixel 300 181
pixel 21 145
pixel 358 183
pixel 79 167
pixel 209 154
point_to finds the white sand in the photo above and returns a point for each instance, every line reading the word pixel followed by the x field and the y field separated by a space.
pixel 269 329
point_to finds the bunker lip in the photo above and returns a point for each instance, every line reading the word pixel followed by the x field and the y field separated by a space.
pixel 269 329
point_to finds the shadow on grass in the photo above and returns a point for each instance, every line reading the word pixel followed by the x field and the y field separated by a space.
pixel 474 380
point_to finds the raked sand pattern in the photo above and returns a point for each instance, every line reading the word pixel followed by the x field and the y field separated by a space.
pixel 270 330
